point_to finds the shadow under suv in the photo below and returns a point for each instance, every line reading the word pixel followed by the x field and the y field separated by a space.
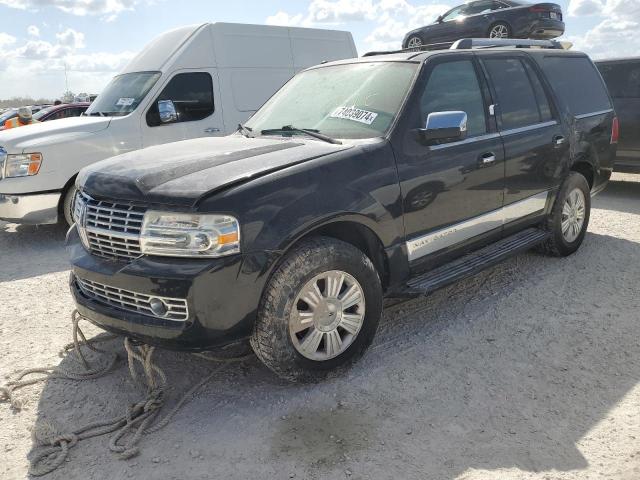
pixel 384 176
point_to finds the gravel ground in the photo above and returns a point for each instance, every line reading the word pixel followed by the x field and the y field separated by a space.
pixel 527 371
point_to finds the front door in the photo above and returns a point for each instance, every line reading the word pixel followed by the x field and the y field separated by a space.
pixel 195 96
pixel 452 192
pixel 534 140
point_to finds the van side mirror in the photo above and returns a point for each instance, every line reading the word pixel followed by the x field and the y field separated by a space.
pixel 167 111
pixel 443 127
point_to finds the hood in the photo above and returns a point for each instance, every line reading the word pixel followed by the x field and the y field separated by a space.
pixel 181 173
pixel 16 140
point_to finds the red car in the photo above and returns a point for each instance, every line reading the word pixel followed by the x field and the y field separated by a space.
pixel 64 110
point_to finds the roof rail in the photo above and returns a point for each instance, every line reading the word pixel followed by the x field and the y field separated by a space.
pixel 422 48
pixel 468 43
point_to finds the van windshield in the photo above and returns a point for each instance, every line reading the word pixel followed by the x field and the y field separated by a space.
pixel 358 100
pixel 123 94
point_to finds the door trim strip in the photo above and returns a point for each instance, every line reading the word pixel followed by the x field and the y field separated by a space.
pixel 593 114
pixel 446 237
pixel 528 128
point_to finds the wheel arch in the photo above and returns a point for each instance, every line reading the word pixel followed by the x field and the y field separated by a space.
pixel 586 169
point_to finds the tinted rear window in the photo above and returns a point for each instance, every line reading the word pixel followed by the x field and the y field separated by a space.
pixel 577 82
pixel 622 79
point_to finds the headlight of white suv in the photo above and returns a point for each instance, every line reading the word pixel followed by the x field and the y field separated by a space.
pixel 22 165
pixel 189 235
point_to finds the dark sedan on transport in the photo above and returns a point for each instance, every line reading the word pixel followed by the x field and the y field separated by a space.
pixel 491 19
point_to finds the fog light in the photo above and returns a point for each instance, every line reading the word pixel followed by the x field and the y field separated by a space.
pixel 158 307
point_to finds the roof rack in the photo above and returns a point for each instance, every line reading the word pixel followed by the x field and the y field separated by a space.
pixel 470 43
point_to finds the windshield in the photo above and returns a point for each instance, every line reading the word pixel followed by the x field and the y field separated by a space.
pixel 43 112
pixel 358 100
pixel 123 94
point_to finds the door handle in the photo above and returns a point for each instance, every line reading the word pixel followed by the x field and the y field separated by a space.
pixel 487 158
pixel 558 140
pixel 211 130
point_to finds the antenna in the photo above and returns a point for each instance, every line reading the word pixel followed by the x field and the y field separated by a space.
pixel 66 78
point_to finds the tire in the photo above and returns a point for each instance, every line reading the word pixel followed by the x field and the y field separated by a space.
pixel 414 41
pixel 561 244
pixel 499 30
pixel 282 308
pixel 67 206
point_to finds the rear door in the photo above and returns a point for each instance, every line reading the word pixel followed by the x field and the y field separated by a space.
pixel 195 95
pixel 623 82
pixel 452 192
pixel 534 140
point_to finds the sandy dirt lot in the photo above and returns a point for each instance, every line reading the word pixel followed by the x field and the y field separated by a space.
pixel 527 371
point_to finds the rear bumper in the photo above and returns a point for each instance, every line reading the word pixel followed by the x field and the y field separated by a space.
pixel 34 208
pixel 546 29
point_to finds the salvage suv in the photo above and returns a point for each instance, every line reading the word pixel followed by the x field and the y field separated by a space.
pixel 385 176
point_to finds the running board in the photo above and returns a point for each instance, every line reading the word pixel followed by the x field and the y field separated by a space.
pixel 475 262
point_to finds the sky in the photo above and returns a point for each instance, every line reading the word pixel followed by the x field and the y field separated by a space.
pixel 94 39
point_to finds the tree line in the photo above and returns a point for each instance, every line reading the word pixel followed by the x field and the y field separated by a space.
pixel 21 101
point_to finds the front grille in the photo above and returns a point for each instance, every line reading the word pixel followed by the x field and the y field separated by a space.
pixel 176 308
pixel 112 229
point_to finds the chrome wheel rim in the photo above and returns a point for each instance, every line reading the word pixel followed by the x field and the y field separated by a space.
pixel 327 315
pixel 414 42
pixel 499 31
pixel 573 215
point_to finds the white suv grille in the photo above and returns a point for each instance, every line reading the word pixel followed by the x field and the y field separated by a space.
pixel 158 307
pixel 112 230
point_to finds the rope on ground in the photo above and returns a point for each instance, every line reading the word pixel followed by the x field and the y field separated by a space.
pixel 7 392
pixel 128 428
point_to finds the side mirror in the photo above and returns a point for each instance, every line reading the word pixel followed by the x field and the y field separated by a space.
pixel 439 19
pixel 443 127
pixel 167 111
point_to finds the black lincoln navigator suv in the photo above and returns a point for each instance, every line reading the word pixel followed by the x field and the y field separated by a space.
pixel 385 176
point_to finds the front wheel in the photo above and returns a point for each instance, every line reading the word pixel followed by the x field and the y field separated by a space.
pixel 67 205
pixel 570 217
pixel 414 42
pixel 320 310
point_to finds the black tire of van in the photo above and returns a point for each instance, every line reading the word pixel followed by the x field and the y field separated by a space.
pixel 272 340
pixel 67 206
pixel 558 245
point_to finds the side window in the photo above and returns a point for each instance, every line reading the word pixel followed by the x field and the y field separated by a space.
pixel 498 5
pixel 192 95
pixel 623 80
pixel 454 86
pixel 62 113
pixel 541 96
pixel 576 81
pixel 479 7
pixel 453 14
pixel 516 100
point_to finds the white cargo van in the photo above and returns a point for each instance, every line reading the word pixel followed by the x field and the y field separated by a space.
pixel 190 82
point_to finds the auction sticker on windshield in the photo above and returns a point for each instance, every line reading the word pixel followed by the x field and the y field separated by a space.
pixel 355 114
pixel 125 102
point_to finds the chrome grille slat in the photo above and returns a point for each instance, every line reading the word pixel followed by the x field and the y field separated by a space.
pixel 112 229
pixel 177 309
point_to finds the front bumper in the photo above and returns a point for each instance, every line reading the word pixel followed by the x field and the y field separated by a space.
pixel 222 295
pixel 34 208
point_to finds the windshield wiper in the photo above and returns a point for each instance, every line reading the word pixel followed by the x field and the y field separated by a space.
pixel 246 131
pixel 310 132
pixel 95 114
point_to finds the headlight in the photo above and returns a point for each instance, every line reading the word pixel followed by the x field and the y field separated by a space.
pixel 189 235
pixel 22 165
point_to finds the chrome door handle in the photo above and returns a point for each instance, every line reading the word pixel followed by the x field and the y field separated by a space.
pixel 488 158
pixel 558 140
pixel 211 130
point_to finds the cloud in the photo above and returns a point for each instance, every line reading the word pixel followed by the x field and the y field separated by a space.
pixel 33 31
pixel 6 40
pixel 70 38
pixel 617 34
pixel 77 7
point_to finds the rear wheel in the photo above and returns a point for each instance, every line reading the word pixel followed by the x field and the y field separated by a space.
pixel 319 312
pixel 570 217
pixel 499 30
pixel 414 42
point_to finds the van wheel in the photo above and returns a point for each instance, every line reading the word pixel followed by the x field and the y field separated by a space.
pixel 67 205
pixel 320 310
pixel 569 218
